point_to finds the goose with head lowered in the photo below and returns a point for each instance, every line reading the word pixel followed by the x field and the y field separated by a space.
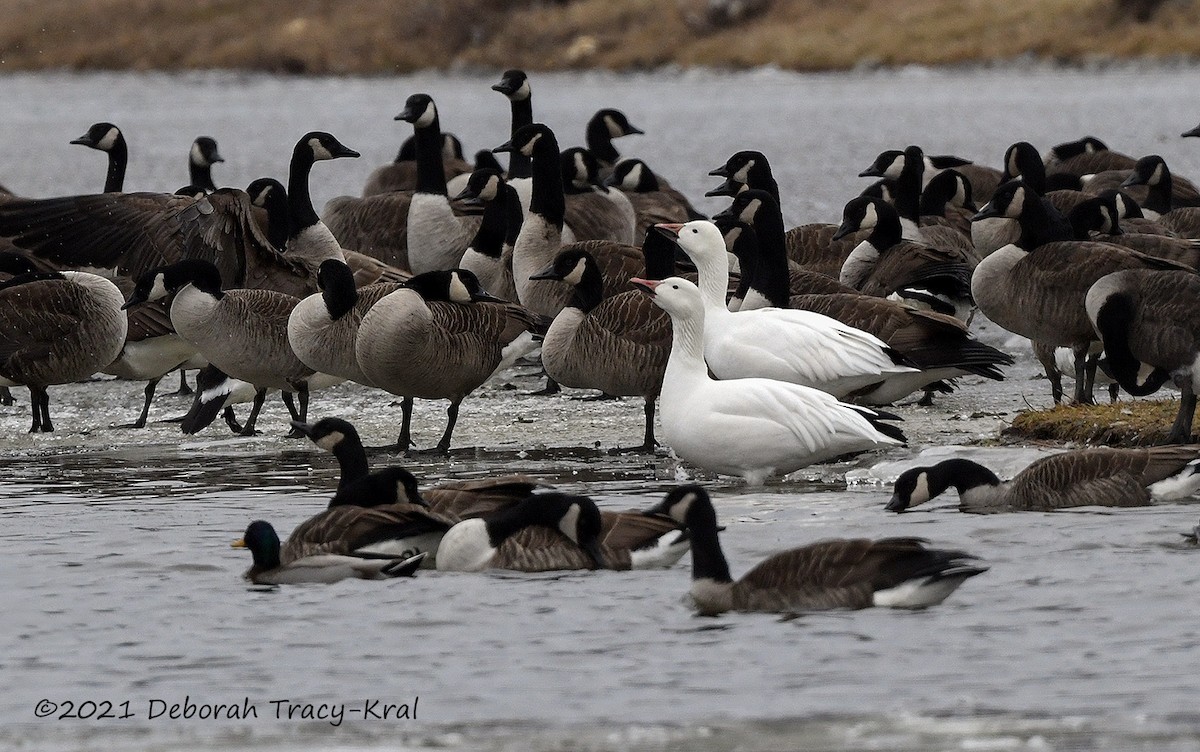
pixel 1086 477
pixel 242 332
pixel 57 328
pixel 749 427
pixel 276 564
pixel 594 211
pixel 1161 202
pixel 795 346
pixel 1149 318
pixel 830 574
pixel 617 344
pixel 438 337
pixel 1036 286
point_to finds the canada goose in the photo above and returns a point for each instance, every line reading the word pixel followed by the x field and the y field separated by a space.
pixel 593 211
pixel 617 344
pixel 1101 215
pixel 438 337
pixel 602 128
pixel 399 530
pixel 652 204
pixel 810 245
pixel 765 283
pixel 1161 203
pixel 489 255
pixel 242 332
pixel 216 394
pixel 401 173
pixel 437 236
pixel 795 346
pixel 322 328
pixel 56 328
pixel 290 565
pixel 749 427
pixel 948 195
pixel 514 84
pixel 1085 156
pixel 1036 286
pixel 202 156
pixel 540 238
pixel 566 535
pixel 981 179
pixel 1147 317
pixel 108 138
pixel 829 574
pixel 359 486
pixel 886 265
pixel 1086 477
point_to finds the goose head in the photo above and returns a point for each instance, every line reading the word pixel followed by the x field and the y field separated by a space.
pixel 1085 145
pixel 514 84
pixel 745 207
pixel 263 542
pixel 164 280
pixel 580 170
pixel 570 266
pixel 101 136
pixel 482 187
pixel 450 286
pixel 535 137
pixel 1022 158
pixel 204 152
pixel 328 433
pixel 888 164
pixel 319 146
pixel 335 279
pixel 1008 201
pixel 633 176
pixel 576 517
pixel 1193 132
pixel 863 213
pixel 1150 170
pixel 614 122
pixel 688 505
pixel 743 169
pixel 419 110
pixel 1094 215
pixel 675 295
pixel 1126 205
pixel 911 489
pixel 265 190
pixel 700 239
pixel 883 189
pixel 947 188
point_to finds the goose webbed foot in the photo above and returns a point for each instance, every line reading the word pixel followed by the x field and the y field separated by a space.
pixel 551 388
pixel 184 390
pixel 601 397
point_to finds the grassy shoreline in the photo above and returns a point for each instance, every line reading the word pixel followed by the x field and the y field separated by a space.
pixel 403 36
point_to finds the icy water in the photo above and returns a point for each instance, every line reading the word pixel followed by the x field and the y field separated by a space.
pixel 120 588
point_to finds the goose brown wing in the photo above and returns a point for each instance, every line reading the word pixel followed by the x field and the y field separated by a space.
pixel 375 225
pixel 632 530
pixel 343 529
pixel 148 320
pixel 465 499
pixel 630 316
pixel 34 315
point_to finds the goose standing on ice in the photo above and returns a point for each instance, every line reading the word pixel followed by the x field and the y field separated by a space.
pixel 749 427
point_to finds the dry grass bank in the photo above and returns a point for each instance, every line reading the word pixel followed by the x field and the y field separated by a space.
pixel 1125 423
pixel 393 36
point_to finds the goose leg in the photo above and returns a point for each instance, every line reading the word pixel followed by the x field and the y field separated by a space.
pixel 1045 355
pixel 406 408
pixel 443 446
pixel 302 415
pixel 184 389
pixel 648 442
pixel 1090 366
pixel 1181 430
pixel 36 425
pixel 6 397
pixel 290 403
pixel 1082 394
pixel 231 420
pixel 259 398
pixel 141 421
pixel 40 404
pixel 551 387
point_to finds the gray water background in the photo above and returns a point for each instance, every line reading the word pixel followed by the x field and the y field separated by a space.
pixel 119 585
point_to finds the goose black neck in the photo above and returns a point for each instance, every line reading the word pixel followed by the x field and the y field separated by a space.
pixel 547 198
pixel 352 459
pixel 760 176
pixel 1112 321
pixel 599 142
pixel 519 165
pixel 1158 194
pixel 960 473
pixel 300 208
pixel 275 203
pixel 908 185
pixel 514 215
pixel 708 561
pixel 431 174
pixel 887 231
pixel 590 290
pixel 118 158
pixel 767 269
pixel 1041 223
pixel 201 176
pixel 489 238
pixel 658 253
pixel 339 294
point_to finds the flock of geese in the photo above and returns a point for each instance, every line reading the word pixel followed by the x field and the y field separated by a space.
pixel 765 349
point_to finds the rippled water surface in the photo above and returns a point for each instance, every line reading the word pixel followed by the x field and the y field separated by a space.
pixel 119 585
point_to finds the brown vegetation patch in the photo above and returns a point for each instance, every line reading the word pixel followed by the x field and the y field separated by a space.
pixel 1136 423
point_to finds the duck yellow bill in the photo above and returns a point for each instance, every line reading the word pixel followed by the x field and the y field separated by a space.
pixel 239 543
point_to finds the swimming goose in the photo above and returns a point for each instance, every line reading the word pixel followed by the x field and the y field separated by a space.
pixel 1036 286
pixel 437 236
pixel 560 532
pixel 794 346
pixel 540 238
pixel 592 210
pixel 359 486
pixel 108 138
pixel 489 256
pixel 652 204
pixel 323 327
pixel 617 344
pixel 1148 317
pixel 829 574
pixel 602 128
pixel 57 328
pixel 202 156
pixel 242 332
pixel 398 530
pixel 748 427
pixel 437 337
pixel 887 265
pixel 1087 477
pixel 1161 203
pixel 290 565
